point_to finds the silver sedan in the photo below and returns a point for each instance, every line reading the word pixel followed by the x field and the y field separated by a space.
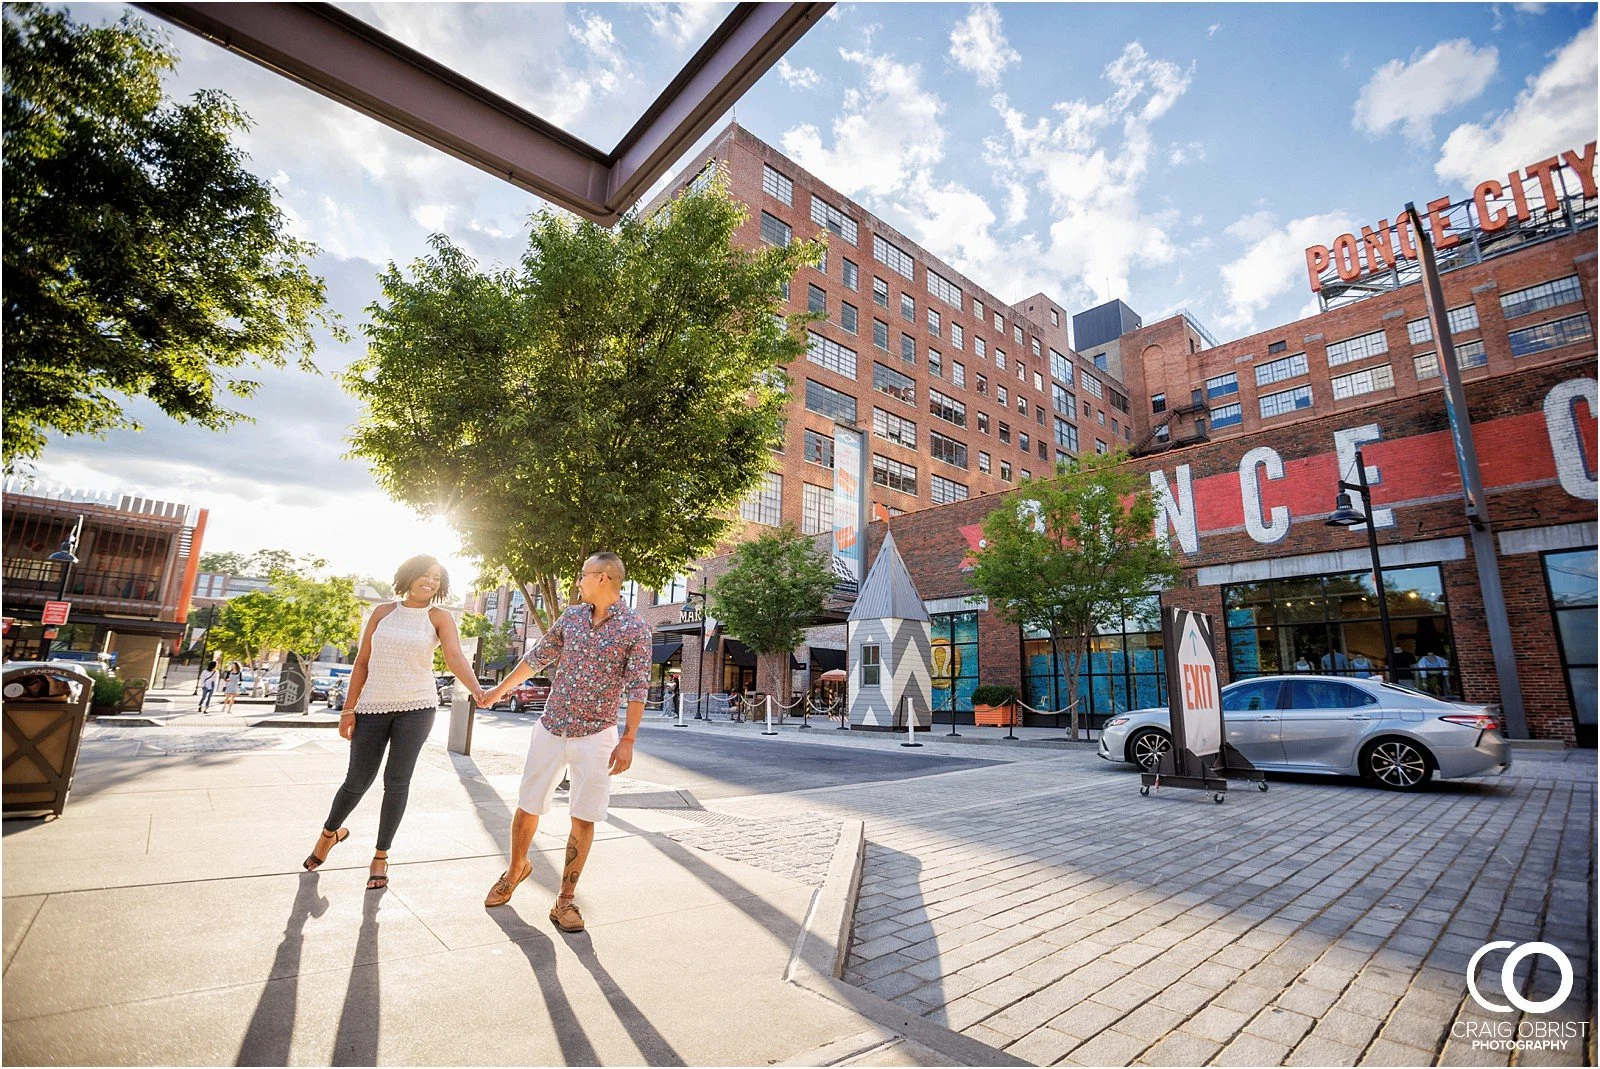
pixel 1396 737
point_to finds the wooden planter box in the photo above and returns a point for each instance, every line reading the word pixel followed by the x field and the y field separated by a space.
pixel 996 716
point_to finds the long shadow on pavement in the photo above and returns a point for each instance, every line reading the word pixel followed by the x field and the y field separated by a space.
pixel 356 1041
pixel 540 952
pixel 271 1030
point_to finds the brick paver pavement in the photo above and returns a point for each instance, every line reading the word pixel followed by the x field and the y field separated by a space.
pixel 1044 907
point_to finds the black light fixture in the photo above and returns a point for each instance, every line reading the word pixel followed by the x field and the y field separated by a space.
pixel 1345 515
pixel 65 556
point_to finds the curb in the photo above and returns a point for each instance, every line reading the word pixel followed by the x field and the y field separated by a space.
pixel 818 960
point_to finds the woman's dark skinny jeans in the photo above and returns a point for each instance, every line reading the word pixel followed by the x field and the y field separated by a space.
pixel 403 734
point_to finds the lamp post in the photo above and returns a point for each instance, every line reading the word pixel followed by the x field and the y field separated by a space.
pixel 1345 516
pixel 66 556
pixel 700 665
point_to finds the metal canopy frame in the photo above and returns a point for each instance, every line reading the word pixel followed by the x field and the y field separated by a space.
pixel 348 60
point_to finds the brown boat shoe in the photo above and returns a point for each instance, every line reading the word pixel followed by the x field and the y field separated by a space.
pixel 501 892
pixel 565 915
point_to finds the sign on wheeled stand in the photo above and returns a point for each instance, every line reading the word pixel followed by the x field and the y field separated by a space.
pixel 1200 757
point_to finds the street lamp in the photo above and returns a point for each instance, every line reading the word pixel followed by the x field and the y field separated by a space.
pixel 700 665
pixel 66 557
pixel 1346 516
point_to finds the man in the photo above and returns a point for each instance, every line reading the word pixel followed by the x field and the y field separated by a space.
pixel 601 649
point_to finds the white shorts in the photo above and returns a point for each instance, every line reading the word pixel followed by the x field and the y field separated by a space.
pixel 589 758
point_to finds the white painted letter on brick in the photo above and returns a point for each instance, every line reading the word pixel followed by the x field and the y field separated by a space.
pixel 1250 489
pixel 1179 511
pixel 1575 469
pixel 1346 442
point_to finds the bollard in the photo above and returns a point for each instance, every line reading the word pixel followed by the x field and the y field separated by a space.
pixel 805 713
pixel 769 730
pixel 954 734
pixel 911 725
pixel 1011 723
pixel 680 723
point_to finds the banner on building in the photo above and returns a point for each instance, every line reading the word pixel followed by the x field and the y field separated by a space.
pixel 849 509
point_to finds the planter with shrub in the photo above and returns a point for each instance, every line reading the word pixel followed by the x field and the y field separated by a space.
pixel 108 693
pixel 994 705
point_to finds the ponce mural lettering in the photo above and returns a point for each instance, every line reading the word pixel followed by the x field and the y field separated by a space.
pixel 1267 494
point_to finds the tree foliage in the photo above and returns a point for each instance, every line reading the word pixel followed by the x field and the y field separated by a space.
pixel 1067 552
pixel 775 587
pixel 296 613
pixel 619 390
pixel 141 258
pixel 263 562
pixel 494 643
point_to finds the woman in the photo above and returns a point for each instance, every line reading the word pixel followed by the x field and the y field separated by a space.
pixel 391 703
pixel 208 686
pixel 232 680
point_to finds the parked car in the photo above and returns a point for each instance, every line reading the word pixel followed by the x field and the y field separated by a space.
pixel 319 688
pixel 336 695
pixel 447 686
pixel 531 695
pixel 1396 737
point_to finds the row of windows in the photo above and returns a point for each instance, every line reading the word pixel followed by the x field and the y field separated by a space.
pixel 831 355
pixel 947 449
pixel 1287 367
pixel 944 289
pixel 1468 354
pixel 1538 298
pixel 832 219
pixel 893 257
pixel 1460 319
pixel 1222 385
pixel 1358 348
pixel 942 491
pixel 1356 383
pixel 1276 404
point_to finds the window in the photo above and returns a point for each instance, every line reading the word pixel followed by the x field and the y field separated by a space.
pixel 977 311
pixel 889 381
pixel 831 403
pixel 819 449
pixel 1100 447
pixel 1061 368
pixel 983 462
pixel 871 666
pixel 1100 416
pixel 822 264
pixel 983 386
pixel 947 408
pixel 1066 435
pixel 1091 386
pixel 892 428
pixel 1038 382
pixel 1570 577
pixel 1024 474
pixel 826 215
pixel 775 184
pixel 1023 442
pixel 1022 373
pixel 1055 318
pixel 831 355
pixel 1468 354
pixel 816 299
pixel 765 502
pixel 958 374
pixel 980 347
pixel 1277 347
pixel 908 349
pixel 908 308
pixel 1359 348
pixel 880 291
pixel 880 334
pixel 1276 404
pixel 1288 367
pixel 958 337
pixel 1101 362
pixel 1463 318
pixel 816 509
pixel 892 257
pixel 784 286
pixel 1005 432
pixel 1225 416
pixel 703 179
pixel 1036 351
pixel 999 323
pixel 852 275
pixel 1120 401
pixel 1005 470
pixel 1016 333
pixel 935 362
pixel 944 289
pixel 775 231
pixel 1002 397
pixel 1000 359
pixel 983 423
pixel 1044 452
pixel 1221 386
pixel 1356 383
pixel 1114 428
pixel 849 318
pixel 1545 295
pixel 947 449
pixel 894 475
pixel 674 592
pixel 1419 331
pixel 1064 402
pixel 1550 335
pixel 942 491
pixel 935 324
pixel 1022 405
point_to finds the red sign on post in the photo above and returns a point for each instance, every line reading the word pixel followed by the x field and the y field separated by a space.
pixel 56 613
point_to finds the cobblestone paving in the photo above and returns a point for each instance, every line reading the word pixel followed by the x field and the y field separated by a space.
pixel 1049 910
pixel 800 848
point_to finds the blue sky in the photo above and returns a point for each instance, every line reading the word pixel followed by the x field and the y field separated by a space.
pixel 1171 155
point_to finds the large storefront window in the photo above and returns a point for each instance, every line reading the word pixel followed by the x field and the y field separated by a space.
pixel 1329 624
pixel 955 660
pixel 1571 576
pixel 1127 668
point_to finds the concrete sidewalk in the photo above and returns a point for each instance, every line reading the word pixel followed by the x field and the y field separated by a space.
pixel 164 919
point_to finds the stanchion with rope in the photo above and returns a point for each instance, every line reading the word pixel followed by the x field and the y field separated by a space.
pixel 1011 722
pixel 1020 704
pixel 769 730
pixel 911 724
pixel 954 734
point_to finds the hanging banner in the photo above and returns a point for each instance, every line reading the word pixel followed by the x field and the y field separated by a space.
pixel 849 509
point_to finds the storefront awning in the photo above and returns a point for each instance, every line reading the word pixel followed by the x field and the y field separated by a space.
pixel 662 652
pixel 825 660
pixel 742 655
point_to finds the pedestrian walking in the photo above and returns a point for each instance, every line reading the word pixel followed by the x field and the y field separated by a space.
pixel 232 681
pixel 601 650
pixel 391 703
pixel 209 677
pixel 674 696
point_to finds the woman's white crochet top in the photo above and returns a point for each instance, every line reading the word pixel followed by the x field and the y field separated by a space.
pixel 400 669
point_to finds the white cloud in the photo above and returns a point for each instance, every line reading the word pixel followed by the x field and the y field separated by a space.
pixel 1211 30
pixel 684 24
pixel 433 217
pixel 1273 262
pixel 1192 151
pixel 798 77
pixel 1556 111
pixel 1411 95
pixel 978 44
pixel 888 129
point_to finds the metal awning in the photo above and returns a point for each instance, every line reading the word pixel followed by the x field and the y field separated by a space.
pixel 742 655
pixel 662 652
pixel 352 62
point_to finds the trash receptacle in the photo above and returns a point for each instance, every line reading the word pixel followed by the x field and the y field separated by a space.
pixel 45 706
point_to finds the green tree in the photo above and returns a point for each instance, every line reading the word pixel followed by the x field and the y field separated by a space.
pixel 271 561
pixel 1067 552
pixel 620 390
pixel 319 613
pixel 494 643
pixel 141 258
pixel 224 562
pixel 775 587
pixel 250 626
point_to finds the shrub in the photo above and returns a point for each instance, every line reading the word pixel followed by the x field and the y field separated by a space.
pixel 108 689
pixel 994 695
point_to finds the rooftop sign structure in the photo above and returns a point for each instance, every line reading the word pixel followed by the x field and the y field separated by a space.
pixel 347 60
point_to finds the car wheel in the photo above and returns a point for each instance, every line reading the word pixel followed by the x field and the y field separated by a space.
pixel 516 706
pixel 1147 746
pixel 1397 764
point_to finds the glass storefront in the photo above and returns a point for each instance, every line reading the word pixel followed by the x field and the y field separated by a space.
pixel 1126 669
pixel 1329 624
pixel 955 660
pixel 1570 575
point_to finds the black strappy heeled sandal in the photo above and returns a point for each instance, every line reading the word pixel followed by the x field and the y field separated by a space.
pixel 312 860
pixel 378 883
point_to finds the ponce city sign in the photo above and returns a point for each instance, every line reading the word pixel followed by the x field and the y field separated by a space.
pixel 1496 206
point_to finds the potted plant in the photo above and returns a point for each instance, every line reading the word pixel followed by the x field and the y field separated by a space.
pixel 994 705
pixel 108 691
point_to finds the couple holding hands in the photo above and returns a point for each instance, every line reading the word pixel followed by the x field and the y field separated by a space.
pixel 600 650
